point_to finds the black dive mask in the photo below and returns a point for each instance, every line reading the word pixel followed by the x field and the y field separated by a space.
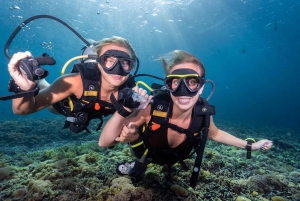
pixel 184 82
pixel 116 62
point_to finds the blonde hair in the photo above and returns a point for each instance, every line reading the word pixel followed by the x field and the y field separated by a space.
pixel 176 57
pixel 119 41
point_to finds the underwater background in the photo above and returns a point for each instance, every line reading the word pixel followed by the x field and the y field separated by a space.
pixel 250 49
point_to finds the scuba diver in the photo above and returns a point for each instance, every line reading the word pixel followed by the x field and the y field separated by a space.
pixel 176 122
pixel 87 93
pixel 89 86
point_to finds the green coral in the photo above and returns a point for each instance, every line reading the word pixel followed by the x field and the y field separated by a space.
pixel 3 163
pixel 39 189
pixel 48 154
pixel 89 146
pixel 25 161
pixel 92 157
pixel 6 172
pixel 268 183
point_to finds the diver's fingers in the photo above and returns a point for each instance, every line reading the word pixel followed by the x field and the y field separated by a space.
pixel 142 91
pixel 14 71
pixel 16 58
pixel 118 139
pixel 128 131
pixel 262 144
pixel 144 105
pixel 130 126
pixel 267 146
pixel 128 134
pixel 147 102
pixel 122 137
pixel 136 89
pixel 125 133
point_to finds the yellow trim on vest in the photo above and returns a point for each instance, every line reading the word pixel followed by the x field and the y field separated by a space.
pixel 159 113
pixel 137 144
pixel 71 104
pixel 143 128
pixel 87 102
pixel 90 93
pixel 146 152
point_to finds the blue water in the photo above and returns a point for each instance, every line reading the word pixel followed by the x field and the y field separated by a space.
pixel 251 49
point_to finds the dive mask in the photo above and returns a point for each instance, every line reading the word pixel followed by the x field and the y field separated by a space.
pixel 184 82
pixel 116 62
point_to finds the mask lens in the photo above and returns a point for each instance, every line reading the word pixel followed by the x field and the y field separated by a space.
pixel 172 83
pixel 193 83
pixel 127 64
pixel 108 61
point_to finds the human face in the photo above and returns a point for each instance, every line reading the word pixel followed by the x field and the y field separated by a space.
pixel 113 79
pixel 186 102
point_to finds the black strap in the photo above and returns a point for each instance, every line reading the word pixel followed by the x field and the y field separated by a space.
pixel 177 128
pixel 200 151
pixel 249 148
pixel 100 124
pixel 120 109
pixel 32 93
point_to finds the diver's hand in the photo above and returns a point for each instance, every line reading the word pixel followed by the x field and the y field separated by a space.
pixel 262 144
pixel 128 134
pixel 14 71
pixel 146 99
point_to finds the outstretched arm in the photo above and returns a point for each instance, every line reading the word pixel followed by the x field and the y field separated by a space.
pixel 121 129
pixel 226 138
pixel 63 87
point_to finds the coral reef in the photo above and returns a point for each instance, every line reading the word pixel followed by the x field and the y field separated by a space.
pixel 46 163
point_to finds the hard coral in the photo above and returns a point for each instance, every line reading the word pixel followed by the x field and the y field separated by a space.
pixel 6 172
pixel 241 198
pixel 277 198
pixel 19 194
pixel 128 191
pixel 268 183
pixel 48 154
pixel 178 190
pixel 294 175
pixel 38 189
pixel 121 182
pixel 92 157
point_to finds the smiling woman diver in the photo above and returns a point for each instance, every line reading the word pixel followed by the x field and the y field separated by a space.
pixel 83 94
pixel 176 122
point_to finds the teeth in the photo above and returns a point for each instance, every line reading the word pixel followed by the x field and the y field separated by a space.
pixel 183 100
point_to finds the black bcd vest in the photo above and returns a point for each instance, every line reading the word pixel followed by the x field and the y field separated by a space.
pixel 80 112
pixel 196 134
